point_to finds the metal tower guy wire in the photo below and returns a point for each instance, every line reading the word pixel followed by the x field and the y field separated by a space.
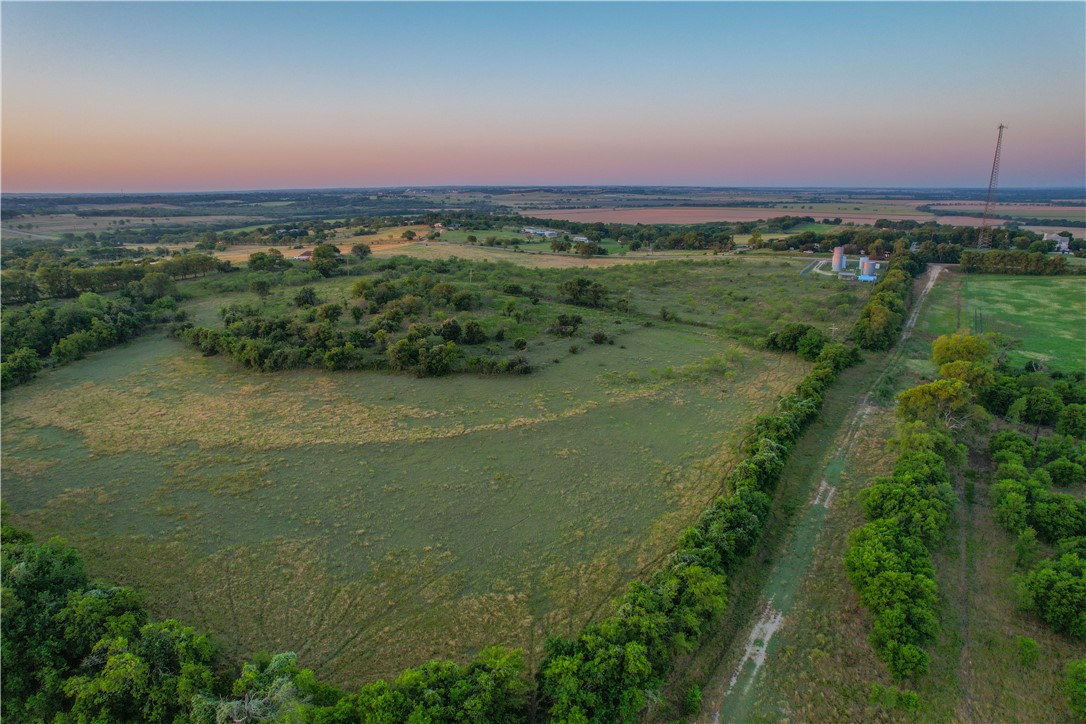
pixel 985 240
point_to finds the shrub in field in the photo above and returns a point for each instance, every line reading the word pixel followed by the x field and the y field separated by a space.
pixel 306 297
pixel 1075 686
pixel 584 292
pixel 565 325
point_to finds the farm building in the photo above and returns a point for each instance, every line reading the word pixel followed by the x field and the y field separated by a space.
pixel 539 232
pixel 580 238
pixel 306 255
pixel 868 278
pixel 1062 242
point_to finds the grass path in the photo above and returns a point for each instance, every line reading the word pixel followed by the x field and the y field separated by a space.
pixel 731 697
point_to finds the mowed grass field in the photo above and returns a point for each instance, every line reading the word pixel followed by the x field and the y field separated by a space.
pixel 1046 313
pixel 371 521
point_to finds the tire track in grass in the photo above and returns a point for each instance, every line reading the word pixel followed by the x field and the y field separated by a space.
pixel 735 691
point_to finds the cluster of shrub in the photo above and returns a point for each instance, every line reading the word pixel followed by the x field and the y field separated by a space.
pixel 81 650
pixel 55 280
pixel 884 314
pixel 609 671
pixel 314 337
pixel 997 261
pixel 43 333
pixel 804 339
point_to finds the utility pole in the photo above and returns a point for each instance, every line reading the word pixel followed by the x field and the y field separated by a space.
pixel 985 240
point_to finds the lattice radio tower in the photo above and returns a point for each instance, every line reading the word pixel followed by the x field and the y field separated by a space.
pixel 985 240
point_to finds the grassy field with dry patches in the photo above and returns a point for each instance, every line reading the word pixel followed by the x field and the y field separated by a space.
pixel 371 521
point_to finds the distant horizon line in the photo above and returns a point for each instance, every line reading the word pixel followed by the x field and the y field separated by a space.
pixel 123 192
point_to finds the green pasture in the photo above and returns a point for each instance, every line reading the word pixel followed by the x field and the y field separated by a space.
pixel 1046 313
pixel 371 521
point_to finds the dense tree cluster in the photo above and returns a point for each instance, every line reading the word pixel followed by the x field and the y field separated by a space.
pixel 377 339
pixel 889 559
pixel 997 261
pixel 78 650
pixel 884 314
pixel 1026 505
pixel 45 333
pixel 611 669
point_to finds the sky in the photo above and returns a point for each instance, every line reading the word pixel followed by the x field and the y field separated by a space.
pixel 157 97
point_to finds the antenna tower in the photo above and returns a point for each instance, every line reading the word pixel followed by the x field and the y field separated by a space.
pixel 985 240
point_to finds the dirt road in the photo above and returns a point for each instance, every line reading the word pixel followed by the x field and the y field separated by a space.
pixel 730 695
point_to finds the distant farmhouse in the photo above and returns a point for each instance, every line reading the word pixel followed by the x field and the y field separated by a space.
pixel 539 232
pixel 1062 242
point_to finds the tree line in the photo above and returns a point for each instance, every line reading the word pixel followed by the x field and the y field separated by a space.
pixel 883 316
pixel 42 334
pixel 611 668
pixel 60 280
pixel 996 261
pixel 889 559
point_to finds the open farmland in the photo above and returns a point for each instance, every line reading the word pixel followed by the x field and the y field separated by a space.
pixel 1046 313
pixel 56 224
pixel 370 521
pixel 1021 211
pixel 865 214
